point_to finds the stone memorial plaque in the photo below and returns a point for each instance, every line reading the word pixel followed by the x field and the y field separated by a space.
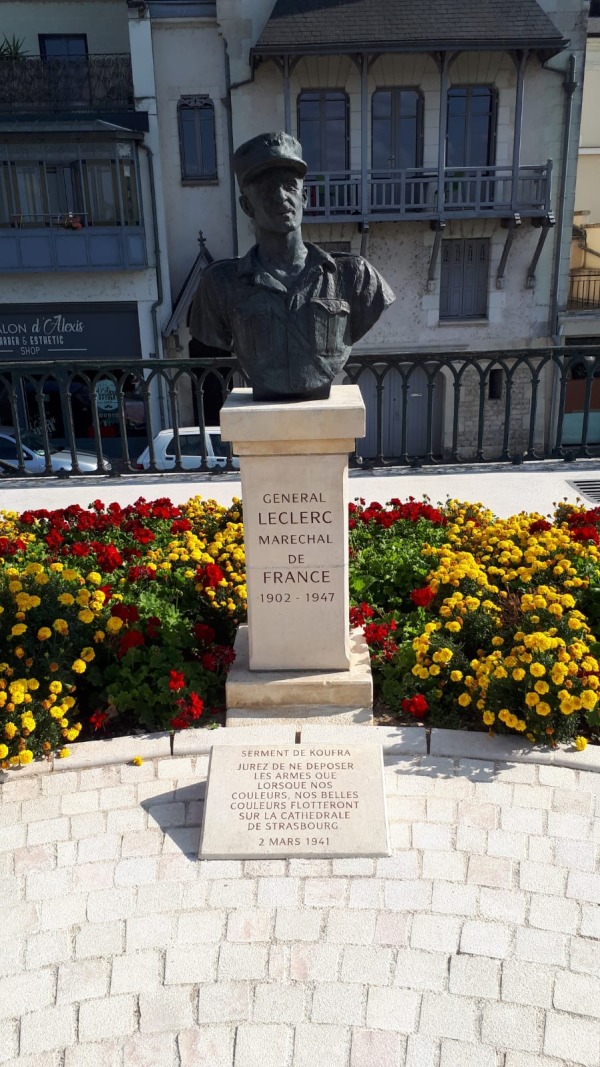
pixel 294 800
pixel 296 541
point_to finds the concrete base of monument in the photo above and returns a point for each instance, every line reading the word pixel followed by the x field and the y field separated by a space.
pixel 302 698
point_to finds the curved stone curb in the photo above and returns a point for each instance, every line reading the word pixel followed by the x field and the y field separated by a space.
pixel 408 741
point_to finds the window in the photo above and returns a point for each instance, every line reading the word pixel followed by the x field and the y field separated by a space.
pixel 397 145
pixel 470 139
pixel 323 130
pixel 464 279
pixel 59 185
pixel 63 46
pixel 197 138
pixel 397 129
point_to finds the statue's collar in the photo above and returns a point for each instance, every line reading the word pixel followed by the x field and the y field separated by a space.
pixel 249 266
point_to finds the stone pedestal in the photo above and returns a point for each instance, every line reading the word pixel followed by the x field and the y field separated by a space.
pixel 300 698
pixel 294 462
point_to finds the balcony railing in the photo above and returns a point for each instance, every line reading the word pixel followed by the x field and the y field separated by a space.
pixel 44 242
pixel 470 192
pixel 90 83
pixel 584 291
pixel 460 407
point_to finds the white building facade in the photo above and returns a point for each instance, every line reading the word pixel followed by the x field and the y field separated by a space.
pixel 443 151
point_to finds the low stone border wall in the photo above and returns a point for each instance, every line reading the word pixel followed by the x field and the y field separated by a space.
pixel 401 740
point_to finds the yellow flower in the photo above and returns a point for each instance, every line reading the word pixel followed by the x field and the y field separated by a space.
pixel 63 753
pixel 85 615
pixel 25 756
pixel 17 630
pixel 66 599
pixel 543 708
pixel 61 626
pixel 537 669
pixel 443 655
pixel 456 676
pixel 10 730
pixel 55 687
pixel 589 699
pixel 489 718
pixel 541 687
pixel 3 751
pixel 99 636
pixel 580 743
pixel 78 666
pixel 88 654
pixel 518 674
pixel 94 577
pixel 44 633
pixel 114 625
pixel 137 761
pixel 464 700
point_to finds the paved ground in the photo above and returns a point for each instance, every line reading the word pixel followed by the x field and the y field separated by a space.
pixel 476 944
pixel 504 488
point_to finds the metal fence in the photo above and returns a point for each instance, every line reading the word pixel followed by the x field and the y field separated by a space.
pixel 58 418
pixel 584 290
pixel 78 83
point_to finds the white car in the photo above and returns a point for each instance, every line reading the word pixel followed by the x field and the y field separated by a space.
pixel 34 457
pixel 165 454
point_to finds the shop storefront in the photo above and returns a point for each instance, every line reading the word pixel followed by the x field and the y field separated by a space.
pixel 57 349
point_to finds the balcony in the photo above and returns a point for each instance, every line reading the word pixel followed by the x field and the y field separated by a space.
pixel 412 195
pixel 57 243
pixel 584 290
pixel 99 83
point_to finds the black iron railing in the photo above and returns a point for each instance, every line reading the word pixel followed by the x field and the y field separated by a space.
pixel 86 83
pixel 584 290
pixel 160 416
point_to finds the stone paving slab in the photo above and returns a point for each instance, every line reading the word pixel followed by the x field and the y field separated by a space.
pixel 476 943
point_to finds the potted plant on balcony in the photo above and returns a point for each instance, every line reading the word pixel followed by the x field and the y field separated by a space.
pixel 12 48
pixel 70 221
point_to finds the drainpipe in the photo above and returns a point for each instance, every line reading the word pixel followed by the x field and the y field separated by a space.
pixel 569 86
pixel 159 282
pixel 227 105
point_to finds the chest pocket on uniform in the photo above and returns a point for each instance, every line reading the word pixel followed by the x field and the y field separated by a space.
pixel 328 321
pixel 252 329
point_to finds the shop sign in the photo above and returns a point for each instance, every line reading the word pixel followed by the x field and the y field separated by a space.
pixel 69 332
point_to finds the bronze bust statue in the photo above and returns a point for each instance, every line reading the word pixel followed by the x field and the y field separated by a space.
pixel 289 310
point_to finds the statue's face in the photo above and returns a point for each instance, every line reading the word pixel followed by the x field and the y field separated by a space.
pixel 274 200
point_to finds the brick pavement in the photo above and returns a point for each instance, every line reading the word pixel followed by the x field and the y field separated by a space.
pixel 476 944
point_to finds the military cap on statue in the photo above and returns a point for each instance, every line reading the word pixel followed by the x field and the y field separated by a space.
pixel 266 151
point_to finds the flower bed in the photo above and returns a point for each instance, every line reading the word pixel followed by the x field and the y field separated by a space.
pixel 474 621
pixel 119 619
pixel 115 619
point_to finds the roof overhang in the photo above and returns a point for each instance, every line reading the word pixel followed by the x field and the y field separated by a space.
pixel 329 27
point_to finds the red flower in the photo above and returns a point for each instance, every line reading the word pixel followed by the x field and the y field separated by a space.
pixel 195 706
pixel 360 613
pixel 180 525
pixel 422 597
pixel 416 706
pixel 153 625
pixel 203 633
pixel 176 680
pixel 125 612
pixel 98 719
pixel 209 661
pixel 179 722
pixel 131 639
pixel 539 526
pixel 214 575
